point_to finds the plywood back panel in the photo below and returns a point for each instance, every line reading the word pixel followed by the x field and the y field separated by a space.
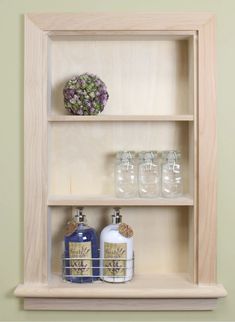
pixel 143 74
pixel 82 155
pixel 161 238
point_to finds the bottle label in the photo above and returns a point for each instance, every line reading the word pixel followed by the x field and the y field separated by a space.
pixel 80 262
pixel 116 254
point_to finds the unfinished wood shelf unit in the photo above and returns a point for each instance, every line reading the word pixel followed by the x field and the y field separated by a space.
pixel 159 71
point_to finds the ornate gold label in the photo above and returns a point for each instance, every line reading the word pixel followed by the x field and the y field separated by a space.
pixel 125 230
pixel 117 265
pixel 80 266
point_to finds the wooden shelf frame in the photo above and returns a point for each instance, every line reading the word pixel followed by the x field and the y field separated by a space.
pixel 109 201
pixel 121 118
pixel 39 28
pixel 160 292
pixel 153 286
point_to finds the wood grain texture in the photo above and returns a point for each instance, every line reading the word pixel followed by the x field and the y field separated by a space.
pixel 120 21
pixel 35 155
pixel 165 251
pixel 106 201
pixel 158 34
pixel 80 152
pixel 143 75
pixel 189 238
pixel 207 155
pixel 120 118
pixel 120 304
pixel 193 156
pixel 155 286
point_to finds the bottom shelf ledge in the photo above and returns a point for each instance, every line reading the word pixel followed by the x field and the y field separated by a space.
pixel 66 304
pixel 151 289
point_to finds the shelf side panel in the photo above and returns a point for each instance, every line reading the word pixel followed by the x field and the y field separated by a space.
pixel 207 156
pixel 35 155
pixel 193 178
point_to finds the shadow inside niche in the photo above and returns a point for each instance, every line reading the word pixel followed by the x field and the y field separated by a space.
pixel 57 98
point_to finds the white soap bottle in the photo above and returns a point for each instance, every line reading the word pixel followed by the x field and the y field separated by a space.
pixel 116 251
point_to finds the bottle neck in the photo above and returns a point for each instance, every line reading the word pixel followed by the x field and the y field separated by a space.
pixel 148 161
pixel 116 217
pixel 172 157
pixel 79 217
pixel 125 157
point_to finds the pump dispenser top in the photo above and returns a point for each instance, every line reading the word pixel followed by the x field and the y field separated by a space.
pixel 116 217
pixel 80 217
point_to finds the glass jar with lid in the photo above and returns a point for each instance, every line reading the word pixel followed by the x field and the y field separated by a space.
pixel 172 178
pixel 149 174
pixel 126 175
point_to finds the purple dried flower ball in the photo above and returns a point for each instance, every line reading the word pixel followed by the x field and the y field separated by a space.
pixel 85 94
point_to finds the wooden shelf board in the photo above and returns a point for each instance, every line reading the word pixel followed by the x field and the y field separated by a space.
pixel 107 304
pixel 73 200
pixel 151 286
pixel 121 118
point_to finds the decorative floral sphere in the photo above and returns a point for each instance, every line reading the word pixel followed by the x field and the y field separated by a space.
pixel 85 94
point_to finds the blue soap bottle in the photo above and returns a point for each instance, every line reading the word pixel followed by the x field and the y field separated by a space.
pixel 81 254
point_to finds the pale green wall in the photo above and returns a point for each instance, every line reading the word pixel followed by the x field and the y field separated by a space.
pixel 11 159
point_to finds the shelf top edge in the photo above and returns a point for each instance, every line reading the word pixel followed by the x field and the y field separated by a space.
pixel 140 118
pixel 45 290
pixel 143 20
pixel 73 200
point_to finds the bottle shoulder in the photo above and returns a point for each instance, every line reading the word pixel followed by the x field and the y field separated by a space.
pixel 149 166
pixel 83 233
pixel 109 228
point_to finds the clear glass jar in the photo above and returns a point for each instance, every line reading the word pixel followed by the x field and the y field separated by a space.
pixel 149 174
pixel 126 175
pixel 172 180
